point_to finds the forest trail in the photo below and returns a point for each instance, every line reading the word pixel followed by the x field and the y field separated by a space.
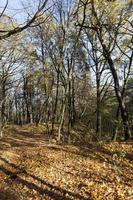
pixel 33 169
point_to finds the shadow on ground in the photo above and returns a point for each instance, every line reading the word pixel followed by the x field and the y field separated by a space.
pixel 46 189
pixel 18 175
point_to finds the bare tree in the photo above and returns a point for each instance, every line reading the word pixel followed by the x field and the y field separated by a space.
pixel 9 32
pixel 105 31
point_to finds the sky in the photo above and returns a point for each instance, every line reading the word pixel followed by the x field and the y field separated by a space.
pixel 11 3
pixel 17 8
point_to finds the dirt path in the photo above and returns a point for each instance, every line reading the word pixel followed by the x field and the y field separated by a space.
pixel 31 168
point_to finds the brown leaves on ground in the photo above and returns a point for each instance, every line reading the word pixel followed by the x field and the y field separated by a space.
pixel 33 169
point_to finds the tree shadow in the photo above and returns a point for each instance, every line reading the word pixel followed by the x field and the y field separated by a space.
pixel 6 194
pixel 22 138
pixel 23 141
pixel 27 134
pixel 46 189
pixel 119 166
pixel 95 152
pixel 17 142
pixel 129 156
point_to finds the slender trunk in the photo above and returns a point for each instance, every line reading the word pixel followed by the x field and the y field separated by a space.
pixel 115 133
pixel 73 102
pixel 62 115
pixel 98 122
pixel 98 110
pixel 69 111
pixel 56 102
pixel 31 107
pixel 61 122
pixel 2 113
pixel 31 118
pixel 1 126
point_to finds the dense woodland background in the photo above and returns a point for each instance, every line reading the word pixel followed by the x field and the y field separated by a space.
pixel 69 67
pixel 66 100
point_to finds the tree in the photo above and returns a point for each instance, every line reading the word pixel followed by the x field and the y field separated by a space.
pixel 9 67
pixel 9 32
pixel 108 29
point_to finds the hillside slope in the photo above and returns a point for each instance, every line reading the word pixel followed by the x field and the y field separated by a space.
pixel 33 169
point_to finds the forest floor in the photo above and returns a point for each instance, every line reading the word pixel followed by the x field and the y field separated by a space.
pixel 33 169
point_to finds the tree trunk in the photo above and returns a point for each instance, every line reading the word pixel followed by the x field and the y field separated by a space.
pixel 122 106
pixel 114 138
pixel 62 119
pixel 98 110
pixel 56 102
